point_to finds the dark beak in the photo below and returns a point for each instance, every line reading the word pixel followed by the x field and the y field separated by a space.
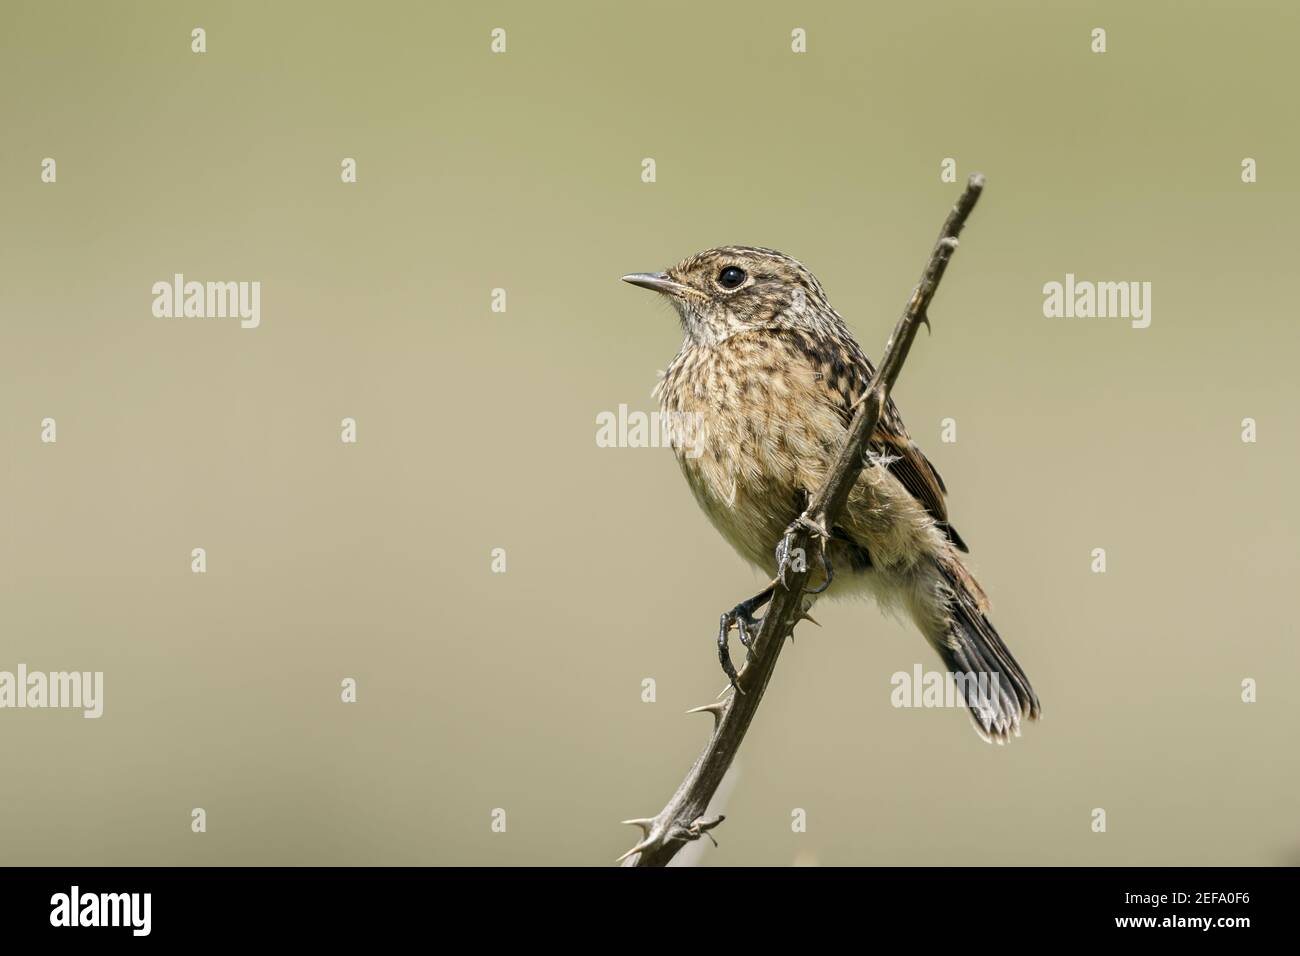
pixel 658 282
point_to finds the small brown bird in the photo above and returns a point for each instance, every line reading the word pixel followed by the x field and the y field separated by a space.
pixel 772 374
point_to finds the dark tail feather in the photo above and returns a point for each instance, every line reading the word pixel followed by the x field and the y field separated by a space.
pixel 994 686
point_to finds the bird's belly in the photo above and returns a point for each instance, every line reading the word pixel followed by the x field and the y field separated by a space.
pixel 752 502
pixel 750 511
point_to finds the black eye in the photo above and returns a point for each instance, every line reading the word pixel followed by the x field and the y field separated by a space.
pixel 731 277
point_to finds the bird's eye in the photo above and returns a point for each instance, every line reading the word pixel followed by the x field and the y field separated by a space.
pixel 731 277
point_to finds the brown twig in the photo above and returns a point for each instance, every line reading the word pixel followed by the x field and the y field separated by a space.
pixel 682 819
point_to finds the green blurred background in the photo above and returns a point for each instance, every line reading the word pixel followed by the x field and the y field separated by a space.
pixel 522 690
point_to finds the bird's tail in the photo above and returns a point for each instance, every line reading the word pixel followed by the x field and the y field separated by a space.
pixel 993 685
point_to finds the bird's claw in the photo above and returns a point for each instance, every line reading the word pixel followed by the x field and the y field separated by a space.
pixel 785 557
pixel 741 617
pixel 746 626
pixel 724 651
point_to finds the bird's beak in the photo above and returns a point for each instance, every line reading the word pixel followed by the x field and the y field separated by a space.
pixel 658 282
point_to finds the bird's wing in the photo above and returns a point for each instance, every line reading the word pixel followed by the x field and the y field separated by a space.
pixel 846 372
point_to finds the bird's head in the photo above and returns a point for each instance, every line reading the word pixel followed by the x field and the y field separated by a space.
pixel 731 289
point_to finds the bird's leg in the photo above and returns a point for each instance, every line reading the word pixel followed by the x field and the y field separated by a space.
pixel 786 558
pixel 741 617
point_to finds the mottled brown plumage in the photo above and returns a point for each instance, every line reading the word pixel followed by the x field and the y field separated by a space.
pixel 772 373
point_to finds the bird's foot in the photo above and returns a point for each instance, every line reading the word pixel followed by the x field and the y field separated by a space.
pixel 790 558
pixel 741 617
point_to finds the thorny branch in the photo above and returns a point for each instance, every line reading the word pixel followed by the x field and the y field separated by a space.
pixel 682 819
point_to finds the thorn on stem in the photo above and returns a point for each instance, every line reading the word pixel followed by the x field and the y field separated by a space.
pixel 639 848
pixel 716 709
pixel 733 686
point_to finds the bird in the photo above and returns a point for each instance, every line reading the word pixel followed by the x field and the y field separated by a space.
pixel 771 376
